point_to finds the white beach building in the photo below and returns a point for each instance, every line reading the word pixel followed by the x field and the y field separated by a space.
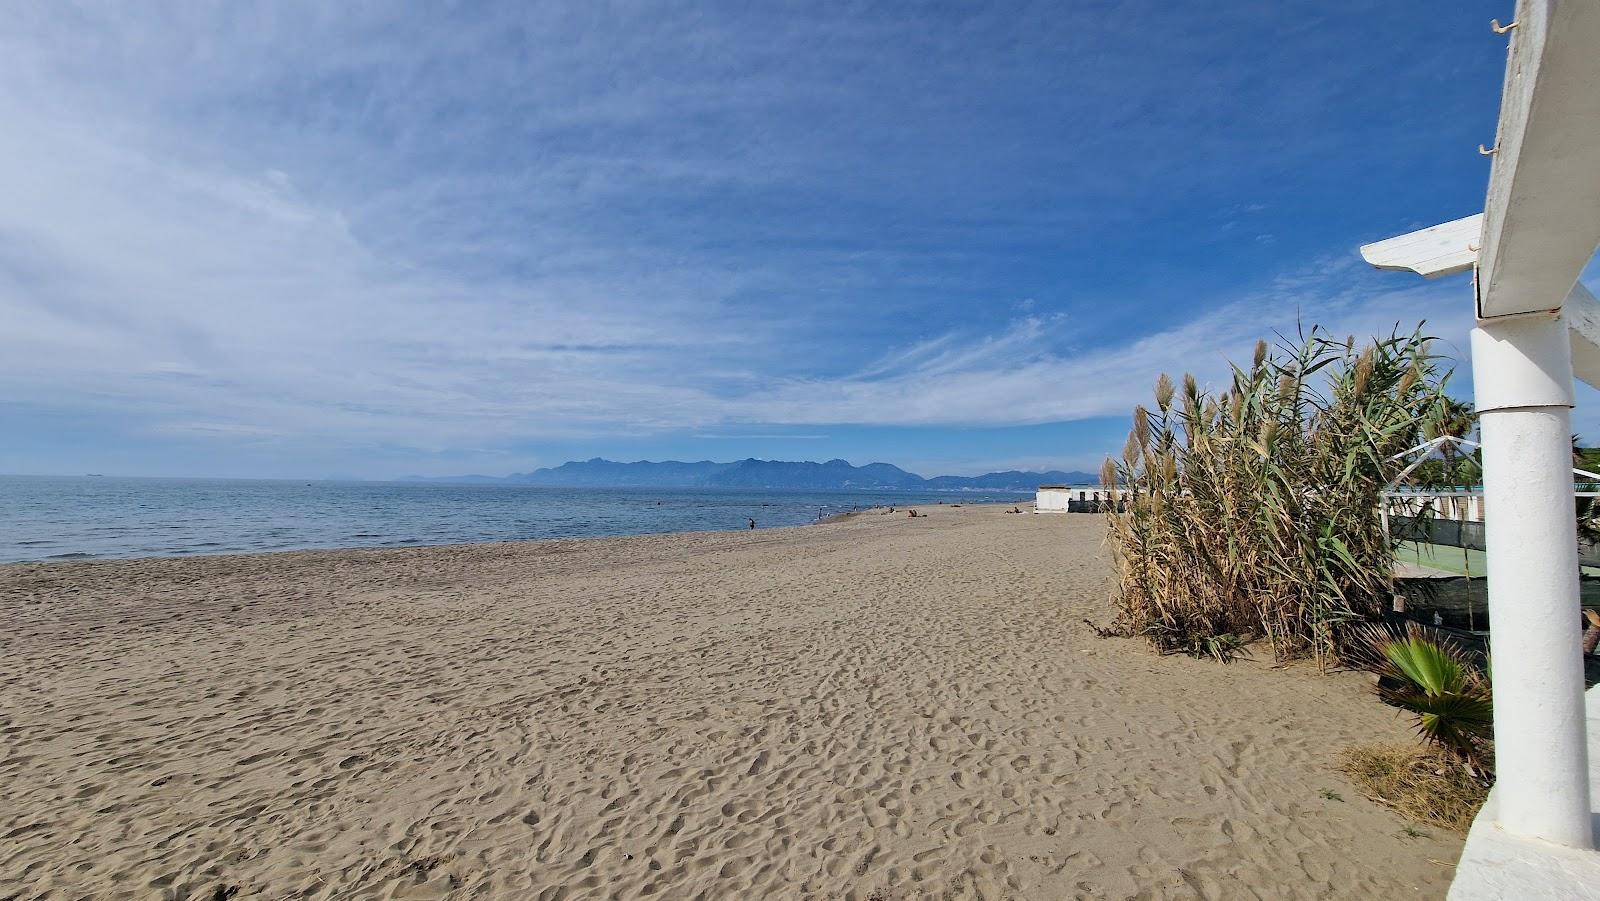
pixel 1069 498
pixel 1537 327
pixel 1051 498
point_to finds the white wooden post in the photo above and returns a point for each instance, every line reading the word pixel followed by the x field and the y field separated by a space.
pixel 1522 381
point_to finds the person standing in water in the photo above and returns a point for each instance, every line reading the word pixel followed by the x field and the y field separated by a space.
pixel 752 522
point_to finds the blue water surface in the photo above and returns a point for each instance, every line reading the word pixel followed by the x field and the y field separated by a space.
pixel 60 518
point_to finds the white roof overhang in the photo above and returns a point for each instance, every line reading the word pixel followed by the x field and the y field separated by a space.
pixel 1541 220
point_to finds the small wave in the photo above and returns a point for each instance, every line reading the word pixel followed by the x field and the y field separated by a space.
pixel 77 555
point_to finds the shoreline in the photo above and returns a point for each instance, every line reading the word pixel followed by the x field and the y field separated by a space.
pixel 889 707
pixel 846 516
pixel 125 519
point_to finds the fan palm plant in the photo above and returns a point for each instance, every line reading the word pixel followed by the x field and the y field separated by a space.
pixel 1430 676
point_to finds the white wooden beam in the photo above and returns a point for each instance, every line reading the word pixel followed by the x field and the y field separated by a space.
pixel 1438 250
pixel 1583 327
pixel 1542 218
pixel 1446 249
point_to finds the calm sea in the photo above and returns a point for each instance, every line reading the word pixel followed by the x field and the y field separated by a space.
pixel 49 518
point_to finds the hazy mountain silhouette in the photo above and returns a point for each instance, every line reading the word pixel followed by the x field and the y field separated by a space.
pixel 753 473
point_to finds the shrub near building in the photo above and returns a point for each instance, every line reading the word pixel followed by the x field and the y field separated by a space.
pixel 1251 513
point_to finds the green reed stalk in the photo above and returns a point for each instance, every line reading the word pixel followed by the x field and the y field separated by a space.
pixel 1251 512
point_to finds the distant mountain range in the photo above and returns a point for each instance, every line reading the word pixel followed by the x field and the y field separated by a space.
pixel 753 473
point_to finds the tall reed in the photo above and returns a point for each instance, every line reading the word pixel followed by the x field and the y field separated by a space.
pixel 1252 512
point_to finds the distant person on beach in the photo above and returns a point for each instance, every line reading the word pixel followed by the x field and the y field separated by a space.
pixel 752 522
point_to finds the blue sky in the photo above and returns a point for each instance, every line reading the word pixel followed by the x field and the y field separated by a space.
pixel 310 240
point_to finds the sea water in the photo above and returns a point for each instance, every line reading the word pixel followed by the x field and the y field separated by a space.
pixel 88 517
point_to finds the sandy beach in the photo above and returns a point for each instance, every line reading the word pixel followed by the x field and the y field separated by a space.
pixel 880 708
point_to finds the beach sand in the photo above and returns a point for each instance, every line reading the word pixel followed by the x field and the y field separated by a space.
pixel 883 708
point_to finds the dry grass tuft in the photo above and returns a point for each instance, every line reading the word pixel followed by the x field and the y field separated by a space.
pixel 1420 784
pixel 1252 512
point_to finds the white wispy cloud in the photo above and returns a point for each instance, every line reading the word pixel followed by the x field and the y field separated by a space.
pixel 327 226
pixel 1020 377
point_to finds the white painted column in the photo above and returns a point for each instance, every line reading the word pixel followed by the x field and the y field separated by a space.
pixel 1522 379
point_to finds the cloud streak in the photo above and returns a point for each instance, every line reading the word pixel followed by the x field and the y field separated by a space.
pixel 1016 377
pixel 338 232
